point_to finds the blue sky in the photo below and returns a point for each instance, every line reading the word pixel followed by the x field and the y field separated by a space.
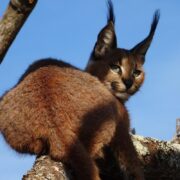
pixel 67 30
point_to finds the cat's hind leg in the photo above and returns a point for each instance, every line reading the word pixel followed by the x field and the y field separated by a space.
pixel 125 152
pixel 73 153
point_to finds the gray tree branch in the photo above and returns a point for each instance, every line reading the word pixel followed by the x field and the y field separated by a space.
pixel 45 168
pixel 13 19
pixel 160 159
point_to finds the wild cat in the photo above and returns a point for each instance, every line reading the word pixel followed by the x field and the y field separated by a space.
pixel 59 110
pixel 112 65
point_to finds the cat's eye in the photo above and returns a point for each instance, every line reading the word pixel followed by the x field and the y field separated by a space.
pixel 115 68
pixel 137 73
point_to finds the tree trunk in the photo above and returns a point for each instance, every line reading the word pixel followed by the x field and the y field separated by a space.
pixel 160 159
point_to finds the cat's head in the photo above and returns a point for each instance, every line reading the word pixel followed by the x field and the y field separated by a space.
pixel 120 70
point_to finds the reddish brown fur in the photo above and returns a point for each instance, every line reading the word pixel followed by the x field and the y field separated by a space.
pixel 129 64
pixel 69 115
pixel 120 70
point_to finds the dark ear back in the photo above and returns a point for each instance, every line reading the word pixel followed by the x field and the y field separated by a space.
pixel 106 38
pixel 143 46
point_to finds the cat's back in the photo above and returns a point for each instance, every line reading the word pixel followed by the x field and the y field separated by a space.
pixel 50 88
pixel 64 83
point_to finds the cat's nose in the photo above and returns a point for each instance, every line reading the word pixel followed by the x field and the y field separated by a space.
pixel 128 83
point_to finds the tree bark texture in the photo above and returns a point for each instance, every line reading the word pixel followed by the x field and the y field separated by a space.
pixel 47 169
pixel 160 159
pixel 12 21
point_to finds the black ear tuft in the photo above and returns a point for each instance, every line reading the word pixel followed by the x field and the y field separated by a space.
pixel 106 38
pixel 110 16
pixel 155 21
pixel 143 46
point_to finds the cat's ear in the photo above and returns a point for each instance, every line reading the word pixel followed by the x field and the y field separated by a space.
pixel 106 39
pixel 143 46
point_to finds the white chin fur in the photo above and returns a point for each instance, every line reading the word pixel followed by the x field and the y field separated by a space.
pixel 122 96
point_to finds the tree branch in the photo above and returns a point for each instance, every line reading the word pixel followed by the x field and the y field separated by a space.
pixel 160 159
pixel 13 19
pixel 45 168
